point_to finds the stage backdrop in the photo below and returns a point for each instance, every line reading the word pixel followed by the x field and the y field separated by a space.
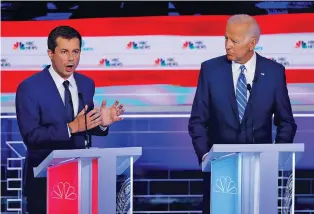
pixel 152 63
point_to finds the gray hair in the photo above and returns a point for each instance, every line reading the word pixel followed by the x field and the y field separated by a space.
pixel 254 29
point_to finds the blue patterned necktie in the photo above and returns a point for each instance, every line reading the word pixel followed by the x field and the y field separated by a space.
pixel 68 102
pixel 241 94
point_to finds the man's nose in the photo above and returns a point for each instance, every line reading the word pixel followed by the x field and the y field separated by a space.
pixel 228 45
pixel 70 57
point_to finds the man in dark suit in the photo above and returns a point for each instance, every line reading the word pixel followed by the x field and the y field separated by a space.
pixel 236 92
pixel 50 108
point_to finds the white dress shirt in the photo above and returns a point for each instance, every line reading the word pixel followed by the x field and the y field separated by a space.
pixel 73 89
pixel 249 72
pixel 249 75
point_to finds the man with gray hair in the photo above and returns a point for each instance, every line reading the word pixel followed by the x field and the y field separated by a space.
pixel 237 95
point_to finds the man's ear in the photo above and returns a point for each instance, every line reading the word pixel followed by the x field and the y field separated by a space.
pixel 50 53
pixel 252 43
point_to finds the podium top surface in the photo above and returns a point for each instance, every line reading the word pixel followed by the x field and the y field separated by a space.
pixel 231 148
pixel 222 150
pixel 58 157
pixel 96 152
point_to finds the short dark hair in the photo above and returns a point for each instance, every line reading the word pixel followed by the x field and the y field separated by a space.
pixel 65 32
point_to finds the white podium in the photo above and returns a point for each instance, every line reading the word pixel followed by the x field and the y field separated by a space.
pixel 86 181
pixel 245 178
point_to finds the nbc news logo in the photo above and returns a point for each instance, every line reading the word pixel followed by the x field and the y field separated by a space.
pixel 304 45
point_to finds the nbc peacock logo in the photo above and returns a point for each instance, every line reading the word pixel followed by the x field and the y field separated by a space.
pixel 193 45
pixel 139 45
pixel 63 190
pixel 225 185
pixel 29 45
pixel 114 62
pixel 168 62
pixel 304 45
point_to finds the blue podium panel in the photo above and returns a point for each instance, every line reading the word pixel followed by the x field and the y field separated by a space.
pixel 245 178
pixel 225 179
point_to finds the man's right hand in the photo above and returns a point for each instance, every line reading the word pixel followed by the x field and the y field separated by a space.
pixel 92 117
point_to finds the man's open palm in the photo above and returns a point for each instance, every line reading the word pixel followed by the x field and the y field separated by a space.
pixel 110 114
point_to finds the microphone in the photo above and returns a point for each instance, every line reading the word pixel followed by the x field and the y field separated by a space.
pixel 249 88
pixel 80 95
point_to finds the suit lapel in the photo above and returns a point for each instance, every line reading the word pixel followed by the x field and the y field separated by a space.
pixel 79 85
pixel 53 93
pixel 231 90
pixel 257 83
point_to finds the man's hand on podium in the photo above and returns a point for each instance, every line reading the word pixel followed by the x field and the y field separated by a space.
pixel 93 119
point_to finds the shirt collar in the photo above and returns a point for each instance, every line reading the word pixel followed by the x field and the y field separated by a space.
pixel 58 79
pixel 248 65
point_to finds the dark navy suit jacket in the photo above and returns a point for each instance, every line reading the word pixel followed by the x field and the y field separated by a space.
pixel 41 117
pixel 214 117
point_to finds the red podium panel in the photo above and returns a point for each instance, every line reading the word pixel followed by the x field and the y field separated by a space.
pixel 62 189
pixel 78 178
pixel 95 186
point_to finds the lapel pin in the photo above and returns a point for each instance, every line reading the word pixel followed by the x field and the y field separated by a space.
pixel 262 74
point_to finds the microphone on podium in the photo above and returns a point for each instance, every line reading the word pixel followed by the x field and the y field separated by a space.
pixel 87 137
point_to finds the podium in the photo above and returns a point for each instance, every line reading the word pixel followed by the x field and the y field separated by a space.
pixel 252 178
pixel 89 181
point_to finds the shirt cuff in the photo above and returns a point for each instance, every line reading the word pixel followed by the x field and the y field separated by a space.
pixel 103 128
pixel 69 132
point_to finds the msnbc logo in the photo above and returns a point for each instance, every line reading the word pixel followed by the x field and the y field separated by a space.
pixel 86 48
pixel 24 46
pixel 304 45
pixel 141 45
pixel 114 62
pixel 169 62
pixel 194 45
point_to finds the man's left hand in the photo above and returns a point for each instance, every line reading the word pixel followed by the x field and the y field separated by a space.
pixel 111 114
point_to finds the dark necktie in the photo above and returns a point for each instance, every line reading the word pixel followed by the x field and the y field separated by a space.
pixel 68 102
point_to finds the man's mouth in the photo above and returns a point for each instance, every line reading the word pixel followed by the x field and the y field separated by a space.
pixel 69 67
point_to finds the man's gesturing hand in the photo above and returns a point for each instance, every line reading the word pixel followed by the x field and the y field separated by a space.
pixel 92 117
